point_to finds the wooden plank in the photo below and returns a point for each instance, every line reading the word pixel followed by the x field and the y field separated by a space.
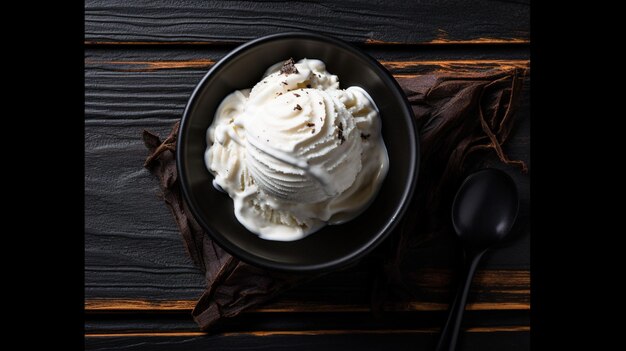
pixel 150 59
pixel 149 92
pixel 512 287
pixel 163 95
pixel 492 290
pixel 371 22
pixel 484 339
pixel 116 305
pixel 256 321
pixel 138 84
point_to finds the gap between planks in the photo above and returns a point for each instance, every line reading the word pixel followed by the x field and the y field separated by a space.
pixel 142 66
pixel 521 328
pixel 124 305
pixel 368 42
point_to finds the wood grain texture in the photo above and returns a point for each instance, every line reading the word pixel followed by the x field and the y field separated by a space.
pixel 297 306
pixel 268 322
pixel 131 242
pixel 132 53
pixel 373 22
pixel 141 94
pixel 156 84
pixel 493 290
pixel 483 339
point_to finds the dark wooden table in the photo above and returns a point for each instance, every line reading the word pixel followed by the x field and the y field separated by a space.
pixel 142 62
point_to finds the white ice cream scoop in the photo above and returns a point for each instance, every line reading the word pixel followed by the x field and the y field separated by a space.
pixel 296 152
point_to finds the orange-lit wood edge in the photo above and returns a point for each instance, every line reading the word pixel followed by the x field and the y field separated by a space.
pixel 518 329
pixel 438 41
pixel 146 66
pixel 514 284
pixel 122 305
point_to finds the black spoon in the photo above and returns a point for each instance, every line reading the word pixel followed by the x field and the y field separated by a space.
pixel 483 212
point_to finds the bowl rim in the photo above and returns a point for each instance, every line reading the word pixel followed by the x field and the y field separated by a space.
pixel 382 233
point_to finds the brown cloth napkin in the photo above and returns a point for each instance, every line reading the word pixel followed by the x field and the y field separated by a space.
pixel 458 115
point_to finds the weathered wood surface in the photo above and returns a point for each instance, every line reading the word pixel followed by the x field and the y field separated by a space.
pixel 479 339
pixel 155 84
pixel 376 22
pixel 258 322
pixel 493 290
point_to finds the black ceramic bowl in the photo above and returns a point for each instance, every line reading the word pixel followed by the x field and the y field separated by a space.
pixel 332 246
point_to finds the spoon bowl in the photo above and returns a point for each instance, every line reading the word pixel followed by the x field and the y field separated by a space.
pixel 485 207
pixel 483 212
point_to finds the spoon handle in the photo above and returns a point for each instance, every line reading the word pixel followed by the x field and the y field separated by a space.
pixel 450 331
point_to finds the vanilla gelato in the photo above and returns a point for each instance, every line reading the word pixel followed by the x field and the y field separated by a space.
pixel 296 152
